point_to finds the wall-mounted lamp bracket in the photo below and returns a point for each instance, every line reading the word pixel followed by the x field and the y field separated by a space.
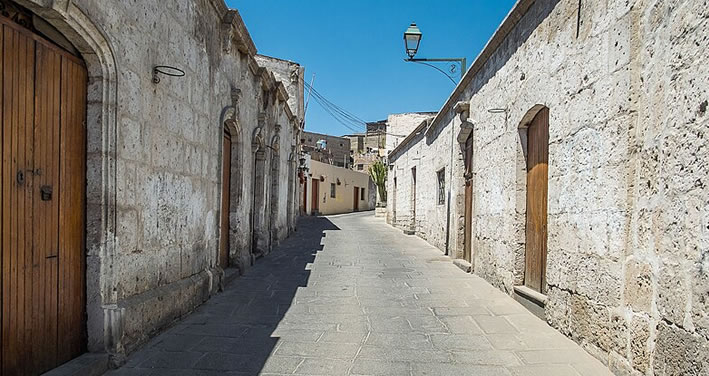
pixel 167 71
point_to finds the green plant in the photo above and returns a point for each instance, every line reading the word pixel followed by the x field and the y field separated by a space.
pixel 378 172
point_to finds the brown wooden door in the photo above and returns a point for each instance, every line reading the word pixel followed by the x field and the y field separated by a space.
pixel 305 196
pixel 537 186
pixel 468 235
pixel 316 196
pixel 226 199
pixel 355 205
pixel 413 199
pixel 43 149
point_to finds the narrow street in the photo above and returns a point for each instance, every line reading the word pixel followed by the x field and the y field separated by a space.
pixel 350 295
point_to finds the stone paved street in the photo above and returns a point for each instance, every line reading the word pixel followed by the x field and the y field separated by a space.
pixel 349 295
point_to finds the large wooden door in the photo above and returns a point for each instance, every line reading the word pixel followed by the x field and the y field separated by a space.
pixel 316 197
pixel 468 235
pixel 226 199
pixel 537 186
pixel 43 107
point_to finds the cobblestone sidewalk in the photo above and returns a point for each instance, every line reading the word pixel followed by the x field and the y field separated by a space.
pixel 349 295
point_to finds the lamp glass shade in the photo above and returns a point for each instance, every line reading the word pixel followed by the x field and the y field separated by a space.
pixel 412 39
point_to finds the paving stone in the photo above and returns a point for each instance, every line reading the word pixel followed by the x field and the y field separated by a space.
pixel 411 341
pixel 172 360
pixel 403 355
pixel 545 370
pixel 494 324
pixel 331 351
pixel 449 369
pixel 461 325
pixel 324 367
pixel 380 368
pixel 486 357
pixel 460 342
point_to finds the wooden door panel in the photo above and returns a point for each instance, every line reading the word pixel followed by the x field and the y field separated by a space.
pixel 316 196
pixel 71 331
pixel 355 204
pixel 46 162
pixel 537 186
pixel 18 83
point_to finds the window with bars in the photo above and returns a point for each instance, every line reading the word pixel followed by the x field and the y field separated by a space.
pixel 442 186
pixel 333 188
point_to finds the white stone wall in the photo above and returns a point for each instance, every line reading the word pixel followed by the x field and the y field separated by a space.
pixel 628 234
pixel 399 126
pixel 154 176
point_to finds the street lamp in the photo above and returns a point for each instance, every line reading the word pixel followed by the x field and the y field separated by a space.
pixel 412 41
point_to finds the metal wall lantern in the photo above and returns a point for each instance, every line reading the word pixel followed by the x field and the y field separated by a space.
pixel 412 40
pixel 167 71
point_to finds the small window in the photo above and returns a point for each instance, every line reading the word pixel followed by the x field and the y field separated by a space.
pixel 442 187
pixel 332 190
pixel 360 167
pixel 362 194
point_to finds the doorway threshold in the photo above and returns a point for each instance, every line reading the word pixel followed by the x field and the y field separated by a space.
pixel 532 300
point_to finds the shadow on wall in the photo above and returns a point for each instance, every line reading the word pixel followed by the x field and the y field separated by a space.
pixel 234 331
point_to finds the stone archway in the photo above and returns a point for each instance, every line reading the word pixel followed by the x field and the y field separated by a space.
pixel 259 236
pixel 231 185
pixel 103 317
pixel 274 201
pixel 532 178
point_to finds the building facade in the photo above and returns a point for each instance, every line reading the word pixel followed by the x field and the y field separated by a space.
pixel 189 168
pixel 329 190
pixel 325 148
pixel 567 169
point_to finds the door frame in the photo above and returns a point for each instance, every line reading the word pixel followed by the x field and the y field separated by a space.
pixel 315 209
pixel 355 205
pixel 536 201
pixel 468 202
pixel 223 258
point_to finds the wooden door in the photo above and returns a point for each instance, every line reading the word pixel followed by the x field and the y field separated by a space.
pixel 468 235
pixel 355 205
pixel 537 186
pixel 43 107
pixel 305 196
pixel 413 199
pixel 226 199
pixel 316 197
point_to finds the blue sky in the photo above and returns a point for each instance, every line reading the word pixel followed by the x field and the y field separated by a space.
pixel 356 49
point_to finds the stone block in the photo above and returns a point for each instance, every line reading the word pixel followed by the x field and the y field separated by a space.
pixel 638 288
pixel 678 351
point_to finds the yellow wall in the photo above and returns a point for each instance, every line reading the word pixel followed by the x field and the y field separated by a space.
pixel 344 192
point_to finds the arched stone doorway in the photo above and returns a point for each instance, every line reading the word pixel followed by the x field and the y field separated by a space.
pixel 259 239
pixel 66 45
pixel 534 130
pixel 231 184
pixel 275 188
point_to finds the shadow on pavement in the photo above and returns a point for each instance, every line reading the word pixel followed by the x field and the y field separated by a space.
pixel 233 333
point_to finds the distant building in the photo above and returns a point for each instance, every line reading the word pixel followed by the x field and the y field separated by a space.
pixel 330 190
pixel 327 149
